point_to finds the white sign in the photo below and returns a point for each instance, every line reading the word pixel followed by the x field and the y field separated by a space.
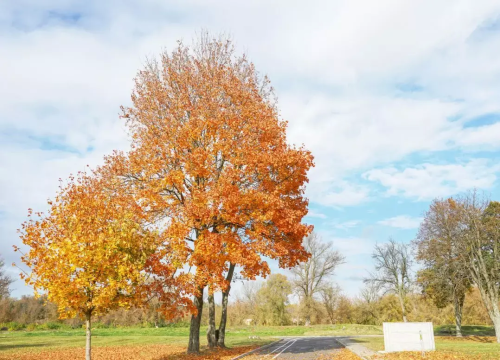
pixel 409 337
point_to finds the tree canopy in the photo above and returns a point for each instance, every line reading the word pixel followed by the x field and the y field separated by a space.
pixel 211 167
pixel 445 276
pixel 88 252
pixel 393 265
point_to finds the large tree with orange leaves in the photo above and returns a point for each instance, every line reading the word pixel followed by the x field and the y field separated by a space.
pixel 211 166
pixel 88 252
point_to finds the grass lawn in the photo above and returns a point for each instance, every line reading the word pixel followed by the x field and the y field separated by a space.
pixel 24 340
pixel 238 336
pixel 120 344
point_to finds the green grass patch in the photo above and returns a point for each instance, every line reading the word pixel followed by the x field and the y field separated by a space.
pixel 236 336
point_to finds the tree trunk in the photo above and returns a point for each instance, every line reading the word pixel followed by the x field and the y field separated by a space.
pixel 495 317
pixel 225 299
pixel 307 305
pixel 496 324
pixel 88 334
pixel 194 329
pixel 211 339
pixel 458 304
pixel 403 308
pixel 490 301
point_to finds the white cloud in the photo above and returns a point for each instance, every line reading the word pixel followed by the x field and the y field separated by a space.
pixel 348 133
pixel 483 137
pixel 346 225
pixel 429 181
pixel 338 194
pixel 315 214
pixel 402 222
pixel 352 246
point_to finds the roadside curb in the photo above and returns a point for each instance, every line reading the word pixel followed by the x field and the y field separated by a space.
pixel 350 348
pixel 254 350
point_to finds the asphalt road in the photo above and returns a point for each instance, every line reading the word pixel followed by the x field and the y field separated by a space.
pixel 304 348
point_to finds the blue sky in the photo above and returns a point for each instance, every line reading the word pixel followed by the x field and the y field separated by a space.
pixel 397 100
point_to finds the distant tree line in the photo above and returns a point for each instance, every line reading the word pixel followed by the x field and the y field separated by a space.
pixel 361 309
pixel 441 292
pixel 261 304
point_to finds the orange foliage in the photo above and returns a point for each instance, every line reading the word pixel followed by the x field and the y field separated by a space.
pixel 211 167
pixel 87 253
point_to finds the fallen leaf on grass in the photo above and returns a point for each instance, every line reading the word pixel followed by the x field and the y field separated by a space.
pixel 433 355
pixel 149 352
pixel 345 354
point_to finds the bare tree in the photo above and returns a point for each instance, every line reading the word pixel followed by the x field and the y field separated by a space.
pixel 481 228
pixel 330 295
pixel 369 303
pixel 392 264
pixel 249 292
pixel 5 281
pixel 370 293
pixel 445 276
pixel 310 275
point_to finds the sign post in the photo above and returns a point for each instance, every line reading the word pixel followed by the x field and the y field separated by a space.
pixel 409 337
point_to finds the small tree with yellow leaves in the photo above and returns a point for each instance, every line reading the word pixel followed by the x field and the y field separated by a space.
pixel 88 252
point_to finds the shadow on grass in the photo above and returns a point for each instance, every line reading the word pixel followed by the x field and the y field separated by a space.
pixel 4 347
pixel 467 330
pixel 362 341
pixel 470 338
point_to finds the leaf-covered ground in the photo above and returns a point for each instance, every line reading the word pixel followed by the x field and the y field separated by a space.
pixel 468 347
pixel 149 352
pixel 435 355
pixel 171 352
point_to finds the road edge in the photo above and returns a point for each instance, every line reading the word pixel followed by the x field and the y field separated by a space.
pixel 350 348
